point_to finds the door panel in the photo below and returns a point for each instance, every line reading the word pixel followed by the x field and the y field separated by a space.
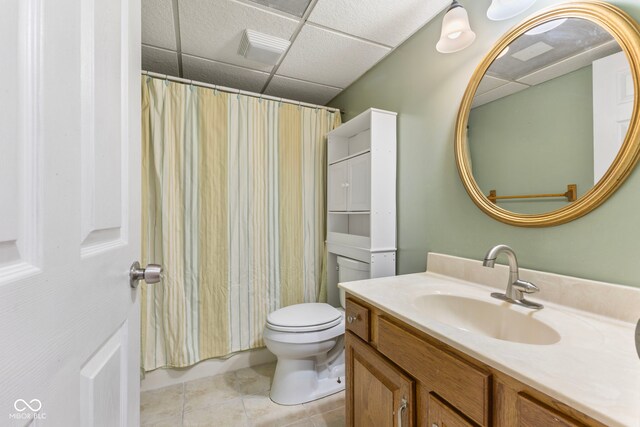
pixel 104 84
pixel 377 392
pixel 103 388
pixel 70 214
pixel 19 189
pixel 532 413
pixel 441 415
pixel 359 194
pixel 373 401
pixel 337 189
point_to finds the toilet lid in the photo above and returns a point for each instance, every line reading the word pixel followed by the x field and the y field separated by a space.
pixel 304 317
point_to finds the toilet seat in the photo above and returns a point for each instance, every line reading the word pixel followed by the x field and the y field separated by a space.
pixel 304 337
pixel 307 317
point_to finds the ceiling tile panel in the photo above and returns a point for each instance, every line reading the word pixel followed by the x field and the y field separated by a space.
pixel 383 21
pixel 159 60
pixel 203 70
pixel 489 83
pixel 157 24
pixel 497 93
pixel 284 87
pixel 329 58
pixel 292 7
pixel 213 28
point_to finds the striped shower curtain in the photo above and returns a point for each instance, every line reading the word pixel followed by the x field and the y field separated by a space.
pixel 234 210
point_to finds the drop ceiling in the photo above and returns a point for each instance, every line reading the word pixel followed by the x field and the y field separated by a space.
pixel 535 59
pixel 333 41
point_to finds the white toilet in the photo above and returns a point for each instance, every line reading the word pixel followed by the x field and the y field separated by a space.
pixel 308 340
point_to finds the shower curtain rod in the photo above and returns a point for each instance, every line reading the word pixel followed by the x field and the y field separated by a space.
pixel 237 91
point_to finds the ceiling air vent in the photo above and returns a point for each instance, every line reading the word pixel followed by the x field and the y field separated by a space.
pixel 262 47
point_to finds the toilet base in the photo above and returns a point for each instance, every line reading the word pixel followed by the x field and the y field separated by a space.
pixel 299 381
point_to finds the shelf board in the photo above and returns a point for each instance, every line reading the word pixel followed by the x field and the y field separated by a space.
pixel 350 156
pixel 350 212
pixel 351 240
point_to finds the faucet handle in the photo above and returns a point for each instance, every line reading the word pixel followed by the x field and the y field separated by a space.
pixel 525 287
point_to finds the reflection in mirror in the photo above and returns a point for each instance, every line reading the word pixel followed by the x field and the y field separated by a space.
pixel 551 111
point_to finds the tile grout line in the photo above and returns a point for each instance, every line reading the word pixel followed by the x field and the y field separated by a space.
pixel 249 69
pixel 303 20
pixel 353 36
pixel 242 396
pixel 244 408
pixel 184 399
pixel 176 27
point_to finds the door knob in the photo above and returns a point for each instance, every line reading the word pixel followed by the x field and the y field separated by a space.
pixel 151 274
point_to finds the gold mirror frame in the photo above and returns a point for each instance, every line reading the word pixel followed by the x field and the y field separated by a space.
pixel 626 32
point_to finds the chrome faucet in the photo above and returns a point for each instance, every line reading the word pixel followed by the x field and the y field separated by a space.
pixel 516 288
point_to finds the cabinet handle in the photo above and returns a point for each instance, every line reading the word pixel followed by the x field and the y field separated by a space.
pixel 401 409
pixel 351 318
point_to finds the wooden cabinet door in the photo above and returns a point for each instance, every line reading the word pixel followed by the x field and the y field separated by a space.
pixel 359 183
pixel 441 415
pixel 378 393
pixel 532 414
pixel 337 187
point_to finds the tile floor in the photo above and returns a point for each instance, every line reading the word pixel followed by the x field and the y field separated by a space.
pixel 239 398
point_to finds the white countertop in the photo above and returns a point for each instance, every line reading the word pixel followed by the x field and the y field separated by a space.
pixel 593 368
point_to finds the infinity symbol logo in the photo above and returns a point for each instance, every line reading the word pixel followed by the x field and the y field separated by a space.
pixel 21 405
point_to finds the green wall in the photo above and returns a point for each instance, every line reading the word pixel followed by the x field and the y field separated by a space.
pixel 434 211
pixel 536 141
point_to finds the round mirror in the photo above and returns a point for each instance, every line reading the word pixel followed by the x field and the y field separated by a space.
pixel 548 127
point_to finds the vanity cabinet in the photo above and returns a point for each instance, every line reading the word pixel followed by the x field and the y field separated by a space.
pixel 389 360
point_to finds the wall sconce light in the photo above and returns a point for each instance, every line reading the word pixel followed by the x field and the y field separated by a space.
pixel 456 31
pixel 506 9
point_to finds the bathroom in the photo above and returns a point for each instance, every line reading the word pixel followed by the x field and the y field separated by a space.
pixel 421 343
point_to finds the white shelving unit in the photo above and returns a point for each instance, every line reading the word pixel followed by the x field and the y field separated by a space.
pixel 361 195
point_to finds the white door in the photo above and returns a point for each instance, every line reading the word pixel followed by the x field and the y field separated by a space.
pixel 69 212
pixel 612 108
pixel 359 194
pixel 337 187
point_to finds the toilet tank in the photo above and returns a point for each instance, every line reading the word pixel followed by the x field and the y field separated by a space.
pixel 350 270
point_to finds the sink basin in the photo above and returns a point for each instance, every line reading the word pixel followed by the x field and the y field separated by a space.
pixel 496 320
